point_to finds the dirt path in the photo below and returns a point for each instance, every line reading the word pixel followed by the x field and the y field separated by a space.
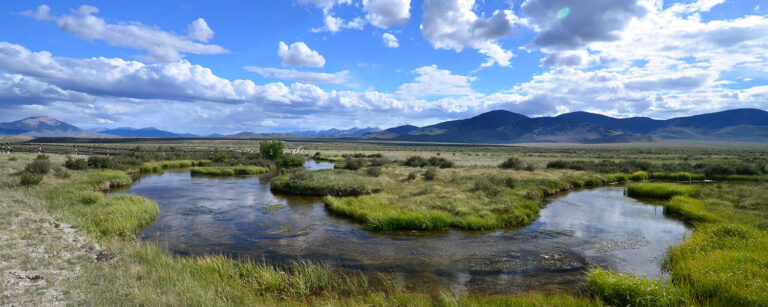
pixel 39 255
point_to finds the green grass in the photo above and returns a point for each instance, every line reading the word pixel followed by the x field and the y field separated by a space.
pixel 335 159
pixel 155 167
pixel 660 190
pixel 679 176
pixel 327 182
pixel 723 263
pixel 228 170
pixel 625 290
pixel 119 216
pixel 473 199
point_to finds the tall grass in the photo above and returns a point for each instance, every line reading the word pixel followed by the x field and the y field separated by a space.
pixel 660 190
pixel 154 167
pixel 119 216
pixel 625 290
pixel 723 265
pixel 327 182
pixel 228 170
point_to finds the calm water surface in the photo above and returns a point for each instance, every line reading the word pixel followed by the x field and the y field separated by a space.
pixel 241 217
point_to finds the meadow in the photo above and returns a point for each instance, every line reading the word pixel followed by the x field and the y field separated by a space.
pixel 722 263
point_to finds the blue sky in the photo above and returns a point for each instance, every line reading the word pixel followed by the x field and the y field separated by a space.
pixel 204 67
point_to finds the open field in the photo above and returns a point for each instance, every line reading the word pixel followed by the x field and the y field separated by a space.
pixel 83 247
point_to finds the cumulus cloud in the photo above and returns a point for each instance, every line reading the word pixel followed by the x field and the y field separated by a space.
pixel 431 81
pixel 298 54
pixel 386 13
pixel 341 77
pixel 390 40
pixel 199 30
pixel 452 24
pixel 161 46
pixel 18 89
pixel 584 21
pixel 331 23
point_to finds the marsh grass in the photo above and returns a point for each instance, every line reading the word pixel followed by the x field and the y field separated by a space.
pixel 625 290
pixel 338 182
pixel 662 191
pixel 159 166
pixel 723 263
pixel 466 198
pixel 238 170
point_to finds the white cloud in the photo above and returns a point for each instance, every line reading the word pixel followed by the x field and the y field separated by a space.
pixel 452 24
pixel 199 30
pixel 298 54
pixel 160 45
pixel 390 40
pixel 42 12
pixel 18 89
pixel 431 81
pixel 341 77
pixel 386 13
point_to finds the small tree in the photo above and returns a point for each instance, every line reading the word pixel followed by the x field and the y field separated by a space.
pixel 271 149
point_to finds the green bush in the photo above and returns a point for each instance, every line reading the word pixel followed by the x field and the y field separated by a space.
pixel 60 173
pixel 290 161
pixel 76 164
pixel 418 161
pixel 39 166
pixel 412 176
pixel 353 164
pixel 28 178
pixel 271 149
pixel 512 163
pixel 430 174
pixel 373 171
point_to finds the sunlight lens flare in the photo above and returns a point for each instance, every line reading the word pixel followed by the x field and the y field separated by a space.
pixel 563 12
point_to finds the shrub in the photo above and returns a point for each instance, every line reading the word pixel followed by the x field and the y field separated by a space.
pixel 28 178
pixel 60 173
pixel 98 162
pixel 412 176
pixel 271 149
pixel 512 163
pixel 39 166
pixel 529 167
pixel 290 161
pixel 373 171
pixel 76 164
pixel 418 161
pixel 415 161
pixel 353 164
pixel 430 174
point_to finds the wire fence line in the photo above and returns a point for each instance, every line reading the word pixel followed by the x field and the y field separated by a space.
pixel 89 150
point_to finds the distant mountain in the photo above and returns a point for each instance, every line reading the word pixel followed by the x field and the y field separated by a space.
pixel 42 126
pixel 337 132
pixel 498 127
pixel 504 127
pixel 143 132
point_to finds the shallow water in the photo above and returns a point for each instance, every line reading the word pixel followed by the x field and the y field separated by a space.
pixel 576 230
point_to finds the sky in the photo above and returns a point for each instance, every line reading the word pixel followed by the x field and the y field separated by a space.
pixel 289 65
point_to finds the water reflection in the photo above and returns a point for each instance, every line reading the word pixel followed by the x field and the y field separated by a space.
pixel 240 216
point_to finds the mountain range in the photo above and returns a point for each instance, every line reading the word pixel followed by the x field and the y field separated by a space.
pixel 496 127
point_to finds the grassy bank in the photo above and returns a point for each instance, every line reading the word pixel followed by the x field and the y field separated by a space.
pixel 723 263
pixel 327 182
pixel 404 198
pixel 154 167
pixel 228 170
pixel 660 190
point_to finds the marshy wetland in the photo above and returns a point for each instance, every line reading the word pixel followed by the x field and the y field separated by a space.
pixel 517 231
pixel 575 230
